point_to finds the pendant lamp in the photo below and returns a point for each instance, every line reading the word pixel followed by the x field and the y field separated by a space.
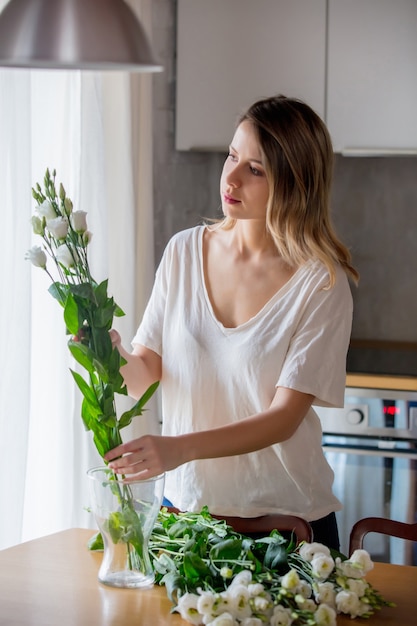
pixel 74 34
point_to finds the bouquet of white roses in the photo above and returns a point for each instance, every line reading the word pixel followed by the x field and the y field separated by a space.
pixel 88 311
pixel 88 315
pixel 218 577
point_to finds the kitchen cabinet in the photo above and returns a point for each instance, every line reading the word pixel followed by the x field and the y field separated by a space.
pixel 233 52
pixel 353 61
pixel 372 76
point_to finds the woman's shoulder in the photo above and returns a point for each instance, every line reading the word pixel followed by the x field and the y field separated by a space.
pixel 185 237
pixel 316 276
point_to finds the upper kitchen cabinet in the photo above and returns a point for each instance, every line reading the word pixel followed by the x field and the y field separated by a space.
pixel 372 76
pixel 233 52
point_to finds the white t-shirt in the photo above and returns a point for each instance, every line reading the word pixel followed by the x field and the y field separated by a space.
pixel 212 375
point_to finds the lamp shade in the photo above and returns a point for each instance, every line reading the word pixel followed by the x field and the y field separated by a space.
pixel 74 34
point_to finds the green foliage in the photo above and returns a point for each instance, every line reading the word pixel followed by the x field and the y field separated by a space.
pixel 190 550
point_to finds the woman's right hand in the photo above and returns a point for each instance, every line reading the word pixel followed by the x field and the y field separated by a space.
pixel 115 337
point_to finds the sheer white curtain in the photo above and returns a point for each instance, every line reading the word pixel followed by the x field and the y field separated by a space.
pixel 95 130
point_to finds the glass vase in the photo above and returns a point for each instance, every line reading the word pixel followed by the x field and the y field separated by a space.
pixel 125 513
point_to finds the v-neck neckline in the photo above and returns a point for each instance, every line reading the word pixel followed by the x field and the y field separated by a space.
pixel 234 329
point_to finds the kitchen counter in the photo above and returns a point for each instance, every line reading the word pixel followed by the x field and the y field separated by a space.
pixel 381 381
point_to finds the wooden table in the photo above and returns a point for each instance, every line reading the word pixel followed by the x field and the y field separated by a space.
pixel 52 581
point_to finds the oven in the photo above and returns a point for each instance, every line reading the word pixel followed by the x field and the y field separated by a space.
pixel 371 445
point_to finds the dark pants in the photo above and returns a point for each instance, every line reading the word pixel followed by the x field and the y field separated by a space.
pixel 325 531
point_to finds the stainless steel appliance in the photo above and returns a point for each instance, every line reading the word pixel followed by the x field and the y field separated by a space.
pixel 371 444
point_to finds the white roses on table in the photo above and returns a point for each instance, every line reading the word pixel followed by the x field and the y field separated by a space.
pixel 314 590
pixel 215 576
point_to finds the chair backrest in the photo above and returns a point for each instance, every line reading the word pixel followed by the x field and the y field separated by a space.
pixel 381 525
pixel 266 523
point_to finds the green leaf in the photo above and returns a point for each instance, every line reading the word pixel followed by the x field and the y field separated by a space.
pixel 101 344
pixel 95 543
pixel 195 569
pixel 83 291
pixel 59 291
pixel 103 315
pixel 137 409
pixel 115 526
pixel 82 354
pixel 118 312
pixel 101 437
pixel 100 293
pixel 227 549
pixel 276 556
pixel 87 392
pixel 174 583
pixel 147 396
pixel 71 317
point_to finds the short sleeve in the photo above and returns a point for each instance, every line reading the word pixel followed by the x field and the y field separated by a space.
pixel 150 330
pixel 315 362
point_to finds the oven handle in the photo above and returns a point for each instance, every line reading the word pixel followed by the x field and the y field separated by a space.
pixel 371 451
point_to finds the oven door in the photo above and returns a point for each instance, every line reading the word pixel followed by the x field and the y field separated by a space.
pixel 375 478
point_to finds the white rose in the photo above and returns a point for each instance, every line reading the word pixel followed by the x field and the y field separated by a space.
pixel 291 580
pixel 239 601
pixel 36 256
pixel 58 227
pixel 309 550
pixel 325 593
pixel 362 560
pixel 349 570
pixel 261 604
pixel 46 210
pixel 304 588
pixel 242 578
pixel 37 225
pixel 357 585
pixel 225 619
pixel 79 221
pixel 222 602
pixel 305 604
pixel 205 602
pixel 255 589
pixel 349 603
pixel 87 236
pixel 322 566
pixel 65 257
pixel 187 607
pixel 68 206
pixel 325 616
pixel 251 621
pixel 281 616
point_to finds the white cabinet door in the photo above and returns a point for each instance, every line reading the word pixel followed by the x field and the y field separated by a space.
pixel 233 52
pixel 372 75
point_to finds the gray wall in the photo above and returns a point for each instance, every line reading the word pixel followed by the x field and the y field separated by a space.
pixel 374 206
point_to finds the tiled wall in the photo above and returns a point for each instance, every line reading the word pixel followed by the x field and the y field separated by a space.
pixel 374 205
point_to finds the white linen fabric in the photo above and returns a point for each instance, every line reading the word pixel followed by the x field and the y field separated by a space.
pixel 214 375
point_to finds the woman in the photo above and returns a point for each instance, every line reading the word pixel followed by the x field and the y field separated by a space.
pixel 247 326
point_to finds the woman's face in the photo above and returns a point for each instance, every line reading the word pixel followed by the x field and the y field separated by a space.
pixel 244 188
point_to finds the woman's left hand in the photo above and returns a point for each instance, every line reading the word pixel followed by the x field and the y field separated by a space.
pixel 146 456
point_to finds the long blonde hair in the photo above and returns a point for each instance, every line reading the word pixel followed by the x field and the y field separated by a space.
pixel 298 159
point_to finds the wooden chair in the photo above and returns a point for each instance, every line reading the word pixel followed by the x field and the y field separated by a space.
pixel 266 523
pixel 381 525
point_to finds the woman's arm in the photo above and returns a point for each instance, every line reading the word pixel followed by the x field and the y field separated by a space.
pixel 151 455
pixel 143 366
